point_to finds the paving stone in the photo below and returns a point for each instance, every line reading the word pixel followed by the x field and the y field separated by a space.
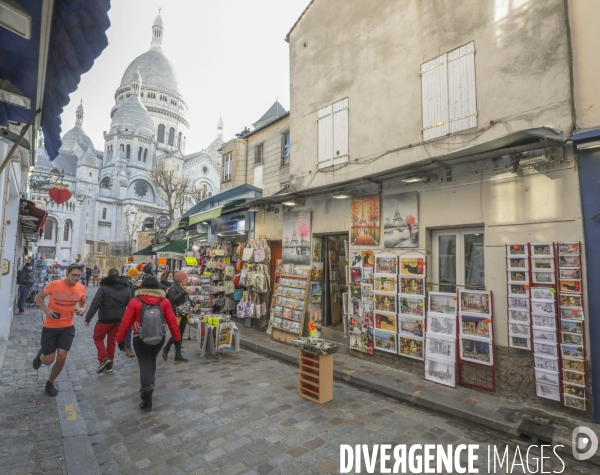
pixel 255 459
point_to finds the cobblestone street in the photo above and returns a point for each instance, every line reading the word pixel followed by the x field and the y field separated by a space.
pixel 237 415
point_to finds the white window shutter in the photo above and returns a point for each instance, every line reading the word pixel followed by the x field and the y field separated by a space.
pixel 340 132
pixel 434 85
pixel 462 99
pixel 325 118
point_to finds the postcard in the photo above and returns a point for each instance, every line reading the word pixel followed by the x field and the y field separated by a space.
pixel 517 329
pixel 477 325
pixel 543 322
pixel 355 291
pixel 517 263
pixel 412 285
pixel 519 342
pixel 411 347
pixel 572 313
pixel 519 316
pixel 354 324
pixel 386 263
pixel 316 271
pixel 543 376
pixel 572 338
pixel 570 285
pixel 545 349
pixel 385 341
pixel 477 351
pixel 547 391
pixel 518 303
pixel 362 342
pixel 542 308
pixel 572 351
pixel 441 372
pixel 413 306
pixel 542 263
pixel 574 365
pixel 575 402
pixel 542 250
pixel 518 277
pixel 368 259
pixel 545 362
pixel 543 294
pixel 442 303
pixel 436 324
pixel 385 283
pixel 440 346
pixel 355 307
pixel 569 261
pixel 570 273
pixel 568 248
pixel 366 291
pixel 355 259
pixel 573 377
pixel 476 301
pixel 571 326
pixel 548 336
pixel 297 315
pixel 411 326
pixel 538 277
pixel 366 323
pixel 412 266
pixel 570 300
pixel 518 290
pixel 573 390
pixel 517 250
pixel 355 275
pixel 386 321
pixel 385 303
pixel 367 276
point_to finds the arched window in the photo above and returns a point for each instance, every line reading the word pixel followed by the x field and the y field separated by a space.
pixel 145 155
pixel 49 229
pixel 66 231
pixel 105 183
pixel 142 94
pixel 161 133
pixel 103 213
pixel 171 136
pixel 140 154
pixel 122 147
pixel 128 153
pixel 179 140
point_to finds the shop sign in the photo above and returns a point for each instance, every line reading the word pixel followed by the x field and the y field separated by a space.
pixel 162 222
pixel 169 255
pixel 191 261
pixel 224 225
pixel 162 261
pixel 5 266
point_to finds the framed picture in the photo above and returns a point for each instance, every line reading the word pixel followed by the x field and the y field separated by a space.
pixel 367 276
pixel 385 341
pixel 543 376
pixel 277 322
pixel 542 322
pixel 385 283
pixel 316 291
pixel 440 346
pixel 442 303
pixel 517 250
pixel 365 220
pixel 538 277
pixel 412 306
pixel 412 265
pixel 413 327
pixel 441 372
pixel 518 277
pixel 518 290
pixel 476 350
pixel 354 324
pixel 573 377
pixel 547 391
pixel 367 309
pixel 385 303
pixel 355 258
pixel 475 325
pixel 572 313
pixel 570 285
pixel 355 275
pixel 545 362
pixel 519 330
pixel 574 390
pixel 518 303
pixel 477 301
pixel 316 271
pixel 356 308
pixel 542 263
pixel 570 300
pixel 571 351
pixel 519 342
pixel 366 292
pixel 575 402
pixel 386 322
pixel 542 250
pixel 570 273
pixel 545 349
pixel 368 259
pixel 572 338
pixel 569 261
pixel 436 324
pixel 542 308
pixel 548 336
pixel 411 347
pixel 518 316
pixel 362 342
pixel 568 248
pixel 574 365
pixel 386 263
pixel 543 294
pixel 517 263
pixel 412 285
pixel 400 220
pixel 571 326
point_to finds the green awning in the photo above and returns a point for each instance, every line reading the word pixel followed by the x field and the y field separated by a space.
pixel 173 227
pixel 204 215
pixel 178 246
pixel 147 251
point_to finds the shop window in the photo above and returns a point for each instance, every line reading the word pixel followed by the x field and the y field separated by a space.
pixel 458 259
pixel 227 166
pixel 285 148
pixel 333 134
pixel 258 153
pixel 161 133
pixel 448 93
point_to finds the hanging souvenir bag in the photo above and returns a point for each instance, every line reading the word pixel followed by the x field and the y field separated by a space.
pixel 212 252
pixel 219 252
pixel 239 251
pixel 236 281
pixel 220 287
pixel 238 294
pixel 229 287
pixel 229 271
pixel 220 265
pixel 250 278
pixel 227 249
pixel 239 265
pixel 243 275
pixel 248 253
pixel 259 253
pixel 260 280
pixel 229 304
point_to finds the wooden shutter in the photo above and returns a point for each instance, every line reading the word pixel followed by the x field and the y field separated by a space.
pixel 462 98
pixel 434 85
pixel 325 118
pixel 340 132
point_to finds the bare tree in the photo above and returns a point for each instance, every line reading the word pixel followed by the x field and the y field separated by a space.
pixel 132 217
pixel 172 185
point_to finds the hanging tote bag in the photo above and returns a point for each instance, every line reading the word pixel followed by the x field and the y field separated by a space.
pixel 238 294
pixel 229 271
pixel 239 250
pixel 227 249
pixel 260 254
pixel 229 287
pixel 243 275
pixel 219 252
pixel 248 253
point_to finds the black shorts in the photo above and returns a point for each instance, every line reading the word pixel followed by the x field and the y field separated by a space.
pixel 53 338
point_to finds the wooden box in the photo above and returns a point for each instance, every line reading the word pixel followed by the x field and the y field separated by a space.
pixel 316 377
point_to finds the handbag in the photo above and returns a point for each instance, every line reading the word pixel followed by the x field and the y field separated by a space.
pixel 239 265
pixel 229 287
pixel 183 310
pixel 229 271
pixel 238 294
pixel 243 275
pixel 240 250
pixel 220 287
pixel 248 253
pixel 260 254
pixel 227 249
pixel 236 281
pixel 250 279
pixel 219 252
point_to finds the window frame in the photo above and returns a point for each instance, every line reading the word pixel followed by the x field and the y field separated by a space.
pixel 227 159
pixel 259 153
pixel 285 160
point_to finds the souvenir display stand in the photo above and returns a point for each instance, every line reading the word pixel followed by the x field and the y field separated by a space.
pixel 316 377
pixel 274 292
pixel 216 333
pixel 441 338
pixel 291 302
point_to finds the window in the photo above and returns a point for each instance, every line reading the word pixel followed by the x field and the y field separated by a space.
pixel 122 148
pixel 66 231
pixel 105 183
pixel 49 229
pixel 128 153
pixel 228 161
pixel 90 174
pixel 333 134
pixel 142 94
pixel 448 93
pixel 161 133
pixel 285 148
pixel 458 259
pixel 140 154
pixel 171 136
pixel 103 213
pixel 179 140
pixel 258 153
pixel 145 155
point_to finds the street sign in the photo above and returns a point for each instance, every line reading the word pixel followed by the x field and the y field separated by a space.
pixel 163 222
pixel 149 222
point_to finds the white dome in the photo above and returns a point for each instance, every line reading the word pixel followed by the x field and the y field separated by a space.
pixel 155 69
pixel 133 115
pixel 158 21
pixel 76 135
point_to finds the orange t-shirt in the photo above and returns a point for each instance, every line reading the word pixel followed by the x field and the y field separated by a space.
pixel 63 299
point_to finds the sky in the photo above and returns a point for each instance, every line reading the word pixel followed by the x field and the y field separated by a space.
pixel 230 57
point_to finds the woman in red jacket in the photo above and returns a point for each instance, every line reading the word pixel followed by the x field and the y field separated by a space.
pixel 150 294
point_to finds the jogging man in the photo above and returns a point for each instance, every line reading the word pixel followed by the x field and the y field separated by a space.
pixel 58 332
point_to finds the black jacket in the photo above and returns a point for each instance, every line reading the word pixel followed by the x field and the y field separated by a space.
pixel 111 299
pixel 177 295
pixel 165 285
pixel 25 277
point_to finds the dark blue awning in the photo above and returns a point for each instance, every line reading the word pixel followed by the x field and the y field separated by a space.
pixel 77 37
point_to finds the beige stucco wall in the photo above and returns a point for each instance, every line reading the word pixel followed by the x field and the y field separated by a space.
pixel 238 173
pixel 371 52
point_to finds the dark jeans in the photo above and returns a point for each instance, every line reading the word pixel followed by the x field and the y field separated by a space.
pixel 23 294
pixel 128 338
pixel 146 358
pixel 182 325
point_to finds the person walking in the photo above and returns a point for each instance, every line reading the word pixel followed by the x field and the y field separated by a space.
pixel 58 331
pixel 180 301
pixel 95 275
pixel 25 281
pixel 148 296
pixel 166 279
pixel 88 275
pixel 110 302
pixel 134 284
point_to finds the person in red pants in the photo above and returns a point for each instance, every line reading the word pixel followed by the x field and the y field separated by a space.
pixel 111 300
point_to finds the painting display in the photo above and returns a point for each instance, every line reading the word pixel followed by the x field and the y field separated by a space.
pixel 543 294
pixel 316 251
pixel 411 347
pixel 385 303
pixel 517 263
pixel 362 342
pixel 542 263
pixel 542 250
pixel 386 263
pixel 412 306
pixel 400 220
pixel 518 277
pixel 518 303
pixel 366 291
pixel 386 341
pixel 474 325
pixel 519 342
pixel 412 285
pixel 476 351
pixel 547 391
pixel 547 377
pixel 386 321
pixel 316 291
pixel 365 220
pixel 296 247
pixel 385 283
pixel 475 301
pixel 441 372
pixel 518 290
pixel 538 277
pixel 437 324
pixel 442 303
pixel 574 402
pixel 517 250
pixel 544 335
pixel 519 316
pixel 316 271
pixel 568 248
pixel 440 347
pixel 411 326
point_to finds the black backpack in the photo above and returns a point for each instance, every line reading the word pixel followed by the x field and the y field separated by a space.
pixel 152 329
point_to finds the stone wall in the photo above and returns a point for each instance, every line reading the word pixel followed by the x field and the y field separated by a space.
pixel 105 263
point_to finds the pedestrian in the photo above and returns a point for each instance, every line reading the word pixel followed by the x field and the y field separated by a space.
pixel 146 301
pixel 25 281
pixel 95 275
pixel 88 274
pixel 180 301
pixel 134 284
pixel 166 279
pixel 110 302
pixel 58 331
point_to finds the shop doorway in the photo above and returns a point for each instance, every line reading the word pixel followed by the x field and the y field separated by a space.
pixel 276 252
pixel 458 259
pixel 334 279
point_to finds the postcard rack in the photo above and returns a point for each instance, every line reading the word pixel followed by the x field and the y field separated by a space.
pixel 316 377
pixel 291 302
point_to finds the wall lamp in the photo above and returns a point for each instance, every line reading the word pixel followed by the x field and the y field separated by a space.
pixel 415 179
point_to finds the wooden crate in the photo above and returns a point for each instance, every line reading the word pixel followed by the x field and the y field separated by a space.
pixel 316 377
